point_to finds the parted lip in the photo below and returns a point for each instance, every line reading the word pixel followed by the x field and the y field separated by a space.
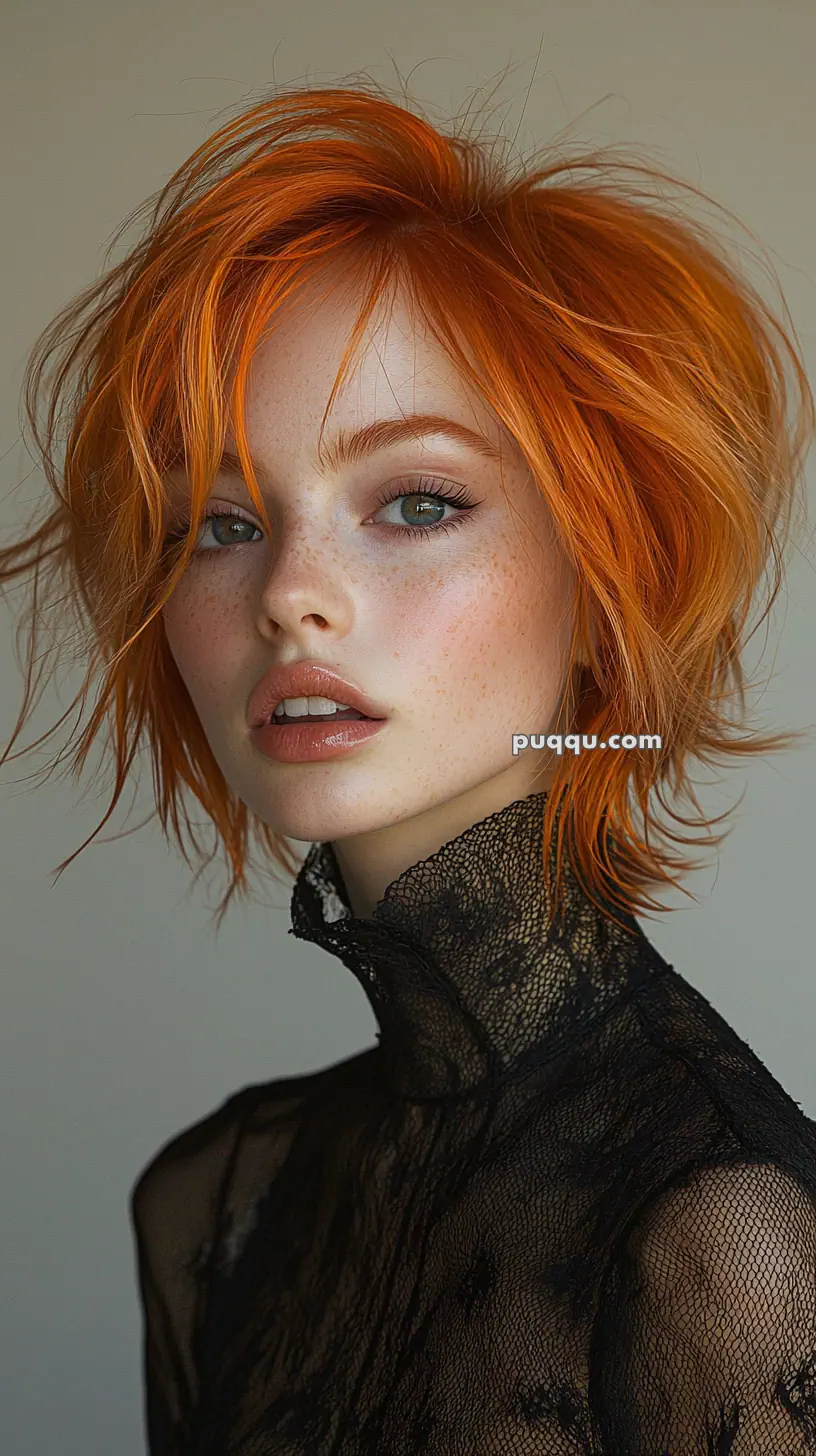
pixel 305 680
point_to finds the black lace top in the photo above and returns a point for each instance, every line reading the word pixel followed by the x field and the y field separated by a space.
pixel 560 1208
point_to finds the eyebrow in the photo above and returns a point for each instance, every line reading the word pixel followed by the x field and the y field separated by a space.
pixel 349 447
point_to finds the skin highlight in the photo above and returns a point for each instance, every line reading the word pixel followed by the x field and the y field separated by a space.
pixel 464 634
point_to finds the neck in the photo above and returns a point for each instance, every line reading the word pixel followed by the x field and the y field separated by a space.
pixel 470 979
pixel 371 861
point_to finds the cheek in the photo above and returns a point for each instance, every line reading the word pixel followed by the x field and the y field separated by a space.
pixel 205 630
pixel 495 637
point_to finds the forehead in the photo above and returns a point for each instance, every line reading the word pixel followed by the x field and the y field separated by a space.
pixel 398 368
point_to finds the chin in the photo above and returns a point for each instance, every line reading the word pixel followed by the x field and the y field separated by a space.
pixel 311 815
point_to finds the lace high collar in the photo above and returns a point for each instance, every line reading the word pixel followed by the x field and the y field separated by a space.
pixel 468 976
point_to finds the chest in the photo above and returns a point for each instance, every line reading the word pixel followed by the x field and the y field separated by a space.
pixel 405 1297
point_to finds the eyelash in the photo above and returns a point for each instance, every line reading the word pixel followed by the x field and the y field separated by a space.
pixel 459 498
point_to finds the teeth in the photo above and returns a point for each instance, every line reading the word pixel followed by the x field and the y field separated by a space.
pixel 300 707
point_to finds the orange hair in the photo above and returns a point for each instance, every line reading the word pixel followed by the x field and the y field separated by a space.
pixel 641 375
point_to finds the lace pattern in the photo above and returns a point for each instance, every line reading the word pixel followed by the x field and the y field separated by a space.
pixel 464 971
pixel 561 1209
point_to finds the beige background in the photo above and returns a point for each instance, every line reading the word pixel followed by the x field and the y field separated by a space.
pixel 121 1020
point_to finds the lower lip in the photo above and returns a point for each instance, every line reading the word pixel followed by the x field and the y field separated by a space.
pixel 310 742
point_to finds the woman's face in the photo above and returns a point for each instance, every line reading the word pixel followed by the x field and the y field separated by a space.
pixel 461 632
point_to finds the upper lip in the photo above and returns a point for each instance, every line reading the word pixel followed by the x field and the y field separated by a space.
pixel 306 680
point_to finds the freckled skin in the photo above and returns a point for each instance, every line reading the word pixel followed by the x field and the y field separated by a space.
pixel 463 636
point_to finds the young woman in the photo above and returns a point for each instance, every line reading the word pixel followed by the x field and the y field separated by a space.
pixel 385 468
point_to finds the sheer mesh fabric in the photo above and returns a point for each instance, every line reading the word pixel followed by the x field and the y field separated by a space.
pixel 560 1208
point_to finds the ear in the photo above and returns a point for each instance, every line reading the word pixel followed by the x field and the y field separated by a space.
pixel 586 634
pixel 586 649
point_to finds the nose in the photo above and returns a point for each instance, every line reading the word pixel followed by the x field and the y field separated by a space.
pixel 306 590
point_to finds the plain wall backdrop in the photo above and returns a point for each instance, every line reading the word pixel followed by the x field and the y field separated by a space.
pixel 122 1020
